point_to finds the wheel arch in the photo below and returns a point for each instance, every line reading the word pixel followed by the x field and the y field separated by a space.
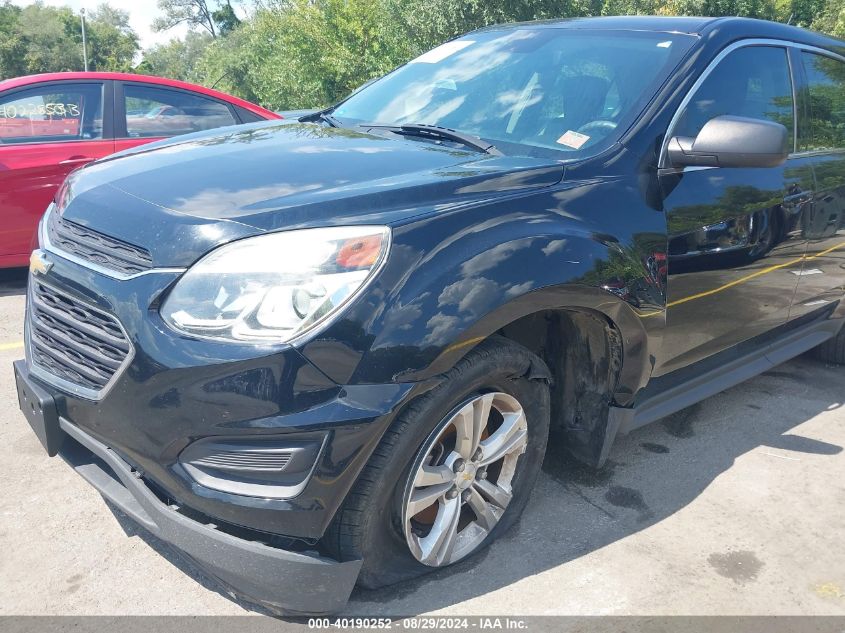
pixel 595 351
pixel 584 354
pixel 617 317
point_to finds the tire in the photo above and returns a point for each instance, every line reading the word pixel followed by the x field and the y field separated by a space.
pixel 832 350
pixel 371 524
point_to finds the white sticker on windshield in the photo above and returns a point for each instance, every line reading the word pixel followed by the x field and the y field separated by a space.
pixel 573 139
pixel 665 44
pixel 442 52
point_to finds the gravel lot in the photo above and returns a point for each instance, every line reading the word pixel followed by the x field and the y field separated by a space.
pixel 734 506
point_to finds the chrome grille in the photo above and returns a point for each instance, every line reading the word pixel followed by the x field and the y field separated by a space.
pixel 73 341
pixel 92 246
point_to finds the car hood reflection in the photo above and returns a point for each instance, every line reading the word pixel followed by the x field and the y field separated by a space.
pixel 296 174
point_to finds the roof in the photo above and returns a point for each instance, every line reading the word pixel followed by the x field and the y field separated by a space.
pixel 660 23
pixel 27 80
pixel 727 28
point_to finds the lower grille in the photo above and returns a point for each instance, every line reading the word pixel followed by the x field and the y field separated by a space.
pixel 245 460
pixel 73 341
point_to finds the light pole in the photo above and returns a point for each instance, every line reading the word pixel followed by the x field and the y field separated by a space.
pixel 84 43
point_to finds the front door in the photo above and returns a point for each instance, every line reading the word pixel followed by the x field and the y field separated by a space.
pixel 46 132
pixel 734 246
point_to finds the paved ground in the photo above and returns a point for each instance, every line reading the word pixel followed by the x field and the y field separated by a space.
pixel 735 506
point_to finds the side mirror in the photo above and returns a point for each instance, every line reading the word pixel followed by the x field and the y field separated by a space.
pixel 732 141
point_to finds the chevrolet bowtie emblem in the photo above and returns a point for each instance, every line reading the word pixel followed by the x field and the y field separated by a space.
pixel 38 263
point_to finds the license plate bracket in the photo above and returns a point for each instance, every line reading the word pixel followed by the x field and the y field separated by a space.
pixel 39 409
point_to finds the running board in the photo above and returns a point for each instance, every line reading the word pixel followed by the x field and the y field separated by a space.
pixel 716 380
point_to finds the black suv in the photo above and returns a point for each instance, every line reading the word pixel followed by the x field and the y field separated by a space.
pixel 324 351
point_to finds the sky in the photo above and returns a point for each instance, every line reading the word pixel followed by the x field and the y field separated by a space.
pixel 141 15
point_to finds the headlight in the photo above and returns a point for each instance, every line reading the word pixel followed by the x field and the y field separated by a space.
pixel 273 288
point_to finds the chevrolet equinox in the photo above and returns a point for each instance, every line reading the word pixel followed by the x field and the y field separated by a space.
pixel 325 351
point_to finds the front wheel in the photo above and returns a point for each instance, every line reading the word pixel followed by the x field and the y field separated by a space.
pixel 454 470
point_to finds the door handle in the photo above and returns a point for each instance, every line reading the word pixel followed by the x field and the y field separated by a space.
pixel 75 160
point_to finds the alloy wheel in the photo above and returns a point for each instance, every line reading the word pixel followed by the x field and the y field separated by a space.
pixel 460 484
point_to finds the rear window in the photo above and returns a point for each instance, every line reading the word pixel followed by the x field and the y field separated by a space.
pixel 826 83
pixel 159 112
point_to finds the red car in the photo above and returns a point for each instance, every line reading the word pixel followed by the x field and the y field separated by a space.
pixel 51 124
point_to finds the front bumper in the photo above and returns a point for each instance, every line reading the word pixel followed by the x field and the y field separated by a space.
pixel 284 581
pixel 177 391
pixel 174 393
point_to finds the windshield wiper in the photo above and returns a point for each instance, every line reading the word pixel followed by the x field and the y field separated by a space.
pixel 442 133
pixel 320 115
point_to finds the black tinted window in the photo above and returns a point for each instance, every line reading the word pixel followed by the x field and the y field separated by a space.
pixel 154 112
pixel 826 80
pixel 753 82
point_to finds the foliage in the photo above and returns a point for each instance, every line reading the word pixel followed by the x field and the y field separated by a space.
pixel 226 18
pixel 309 53
pixel 230 65
pixel 178 58
pixel 299 52
pixel 347 42
pixel 39 38
pixel 831 18
pixel 429 22
pixel 112 44
pixel 197 13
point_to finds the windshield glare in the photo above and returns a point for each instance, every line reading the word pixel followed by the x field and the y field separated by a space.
pixel 527 90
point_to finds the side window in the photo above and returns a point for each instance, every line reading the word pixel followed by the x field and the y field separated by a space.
pixel 155 112
pixel 753 81
pixel 51 114
pixel 826 84
pixel 247 116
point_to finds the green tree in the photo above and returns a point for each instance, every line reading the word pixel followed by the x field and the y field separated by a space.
pixel 426 23
pixel 219 19
pixel 39 38
pixel 831 19
pixel 799 12
pixel 112 43
pixel 47 34
pixel 304 53
pixel 226 18
pixel 178 58
pixel 230 64
pixel 12 43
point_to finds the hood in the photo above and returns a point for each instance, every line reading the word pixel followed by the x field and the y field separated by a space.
pixel 182 197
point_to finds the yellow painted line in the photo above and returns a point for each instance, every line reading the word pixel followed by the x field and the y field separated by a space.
pixel 735 282
pixel 825 252
pixel 742 280
pixel 7 346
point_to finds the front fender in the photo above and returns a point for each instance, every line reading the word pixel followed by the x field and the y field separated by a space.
pixel 636 365
pixel 436 298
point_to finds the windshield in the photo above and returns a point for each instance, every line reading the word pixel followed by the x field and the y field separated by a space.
pixel 529 91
